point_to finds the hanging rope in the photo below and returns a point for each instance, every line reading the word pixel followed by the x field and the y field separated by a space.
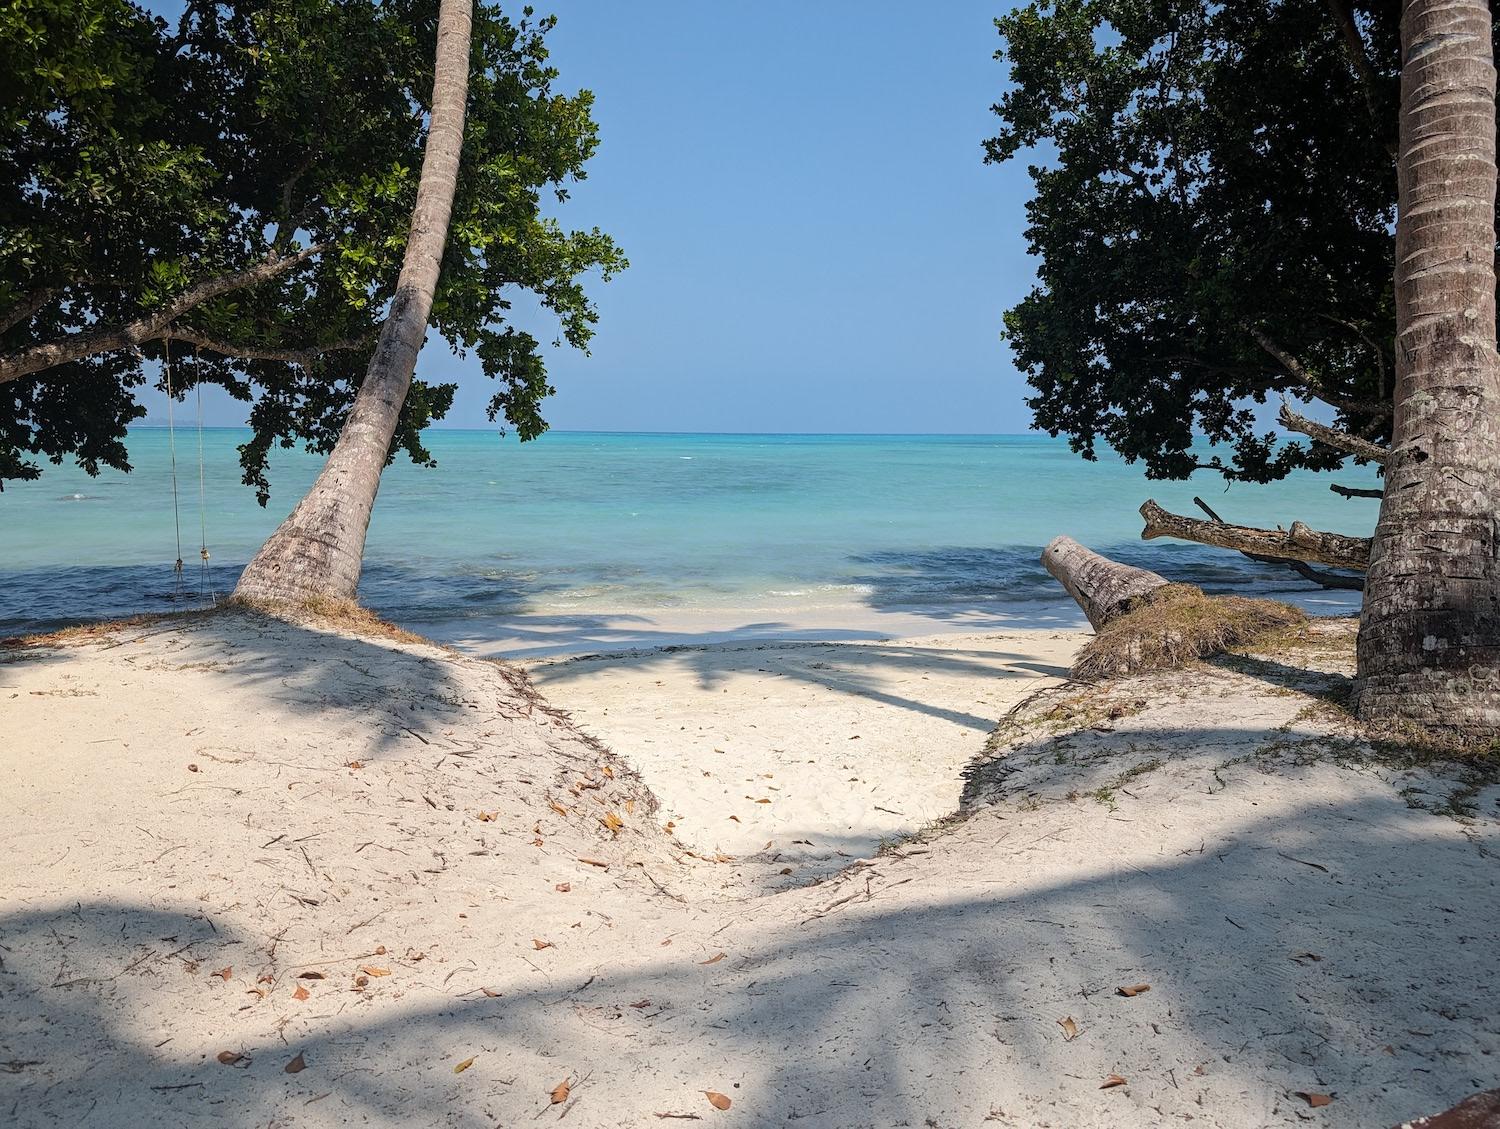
pixel 172 447
pixel 205 580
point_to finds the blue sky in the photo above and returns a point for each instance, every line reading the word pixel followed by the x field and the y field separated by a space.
pixel 815 243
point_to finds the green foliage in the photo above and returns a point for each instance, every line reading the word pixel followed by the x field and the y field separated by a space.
pixel 140 159
pixel 1205 172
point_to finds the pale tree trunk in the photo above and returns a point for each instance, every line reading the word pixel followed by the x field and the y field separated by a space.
pixel 1429 640
pixel 318 550
pixel 1104 589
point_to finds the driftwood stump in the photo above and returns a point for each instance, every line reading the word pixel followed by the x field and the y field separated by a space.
pixel 1481 1111
pixel 1103 588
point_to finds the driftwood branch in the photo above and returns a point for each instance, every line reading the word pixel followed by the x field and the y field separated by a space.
pixel 1332 437
pixel 303 355
pixel 1301 568
pixel 153 327
pixel 1298 543
pixel 1355 491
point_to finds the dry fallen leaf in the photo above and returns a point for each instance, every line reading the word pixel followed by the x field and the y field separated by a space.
pixel 1112 1081
pixel 641 1003
pixel 629 807
pixel 717 1100
pixel 233 1058
pixel 301 993
pixel 563 887
pixel 612 821
pixel 224 973
pixel 735 818
pixel 297 1065
pixel 355 765
pixel 461 1067
pixel 491 993
pixel 360 982
pixel 715 959
pixel 539 944
pixel 310 975
pixel 1134 989
pixel 595 862
pixel 1317 1101
pixel 558 808
pixel 371 970
pixel 560 1092
pixel 1070 1029
pixel 609 772
pixel 192 768
pixel 762 801
pixel 486 816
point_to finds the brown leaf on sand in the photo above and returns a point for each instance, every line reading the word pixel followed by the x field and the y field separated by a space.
pixel 301 993
pixel 609 772
pixel 233 1058
pixel 297 1065
pixel 595 862
pixel 538 944
pixel 716 1099
pixel 763 801
pixel 563 887
pixel 1134 989
pixel 715 959
pixel 356 765
pixel 612 821
pixel 1112 1081
pixel 224 973
pixel 371 970
pixel 561 1091
pixel 313 975
pixel 735 818
pixel 641 1004
pixel 1070 1029
pixel 486 816
pixel 558 808
pixel 491 993
pixel 461 1067
pixel 1317 1101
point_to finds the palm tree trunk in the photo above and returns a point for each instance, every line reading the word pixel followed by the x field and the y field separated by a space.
pixel 1429 641
pixel 318 550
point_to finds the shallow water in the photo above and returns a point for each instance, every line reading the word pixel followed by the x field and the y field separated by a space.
pixel 578 524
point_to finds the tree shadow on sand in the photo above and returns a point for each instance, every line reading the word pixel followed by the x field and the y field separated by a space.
pixel 1369 976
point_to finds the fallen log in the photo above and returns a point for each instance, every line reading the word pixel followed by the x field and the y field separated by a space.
pixel 1300 542
pixel 1104 589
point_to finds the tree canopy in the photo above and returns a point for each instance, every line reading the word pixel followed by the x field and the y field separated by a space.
pixel 233 193
pixel 1215 195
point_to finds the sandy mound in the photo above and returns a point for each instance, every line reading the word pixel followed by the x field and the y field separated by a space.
pixel 1305 920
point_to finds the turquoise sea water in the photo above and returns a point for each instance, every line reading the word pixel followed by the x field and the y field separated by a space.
pixel 581 523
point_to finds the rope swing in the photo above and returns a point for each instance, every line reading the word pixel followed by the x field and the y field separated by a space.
pixel 206 594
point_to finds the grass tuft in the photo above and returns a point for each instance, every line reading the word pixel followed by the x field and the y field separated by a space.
pixel 1176 625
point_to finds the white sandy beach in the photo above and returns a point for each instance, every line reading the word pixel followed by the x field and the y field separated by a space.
pixel 266 874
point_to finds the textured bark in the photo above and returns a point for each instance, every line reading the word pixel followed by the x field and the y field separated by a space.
pixel 1104 589
pixel 1429 641
pixel 319 548
pixel 1331 437
pixel 1297 543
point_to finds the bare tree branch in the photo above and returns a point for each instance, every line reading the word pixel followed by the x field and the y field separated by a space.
pixel 1298 371
pixel 1355 491
pixel 26 308
pixel 1354 45
pixel 1301 568
pixel 1332 437
pixel 152 327
pixel 303 355
pixel 1298 543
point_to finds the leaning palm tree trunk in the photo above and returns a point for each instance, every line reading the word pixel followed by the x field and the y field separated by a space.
pixel 1429 641
pixel 317 551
